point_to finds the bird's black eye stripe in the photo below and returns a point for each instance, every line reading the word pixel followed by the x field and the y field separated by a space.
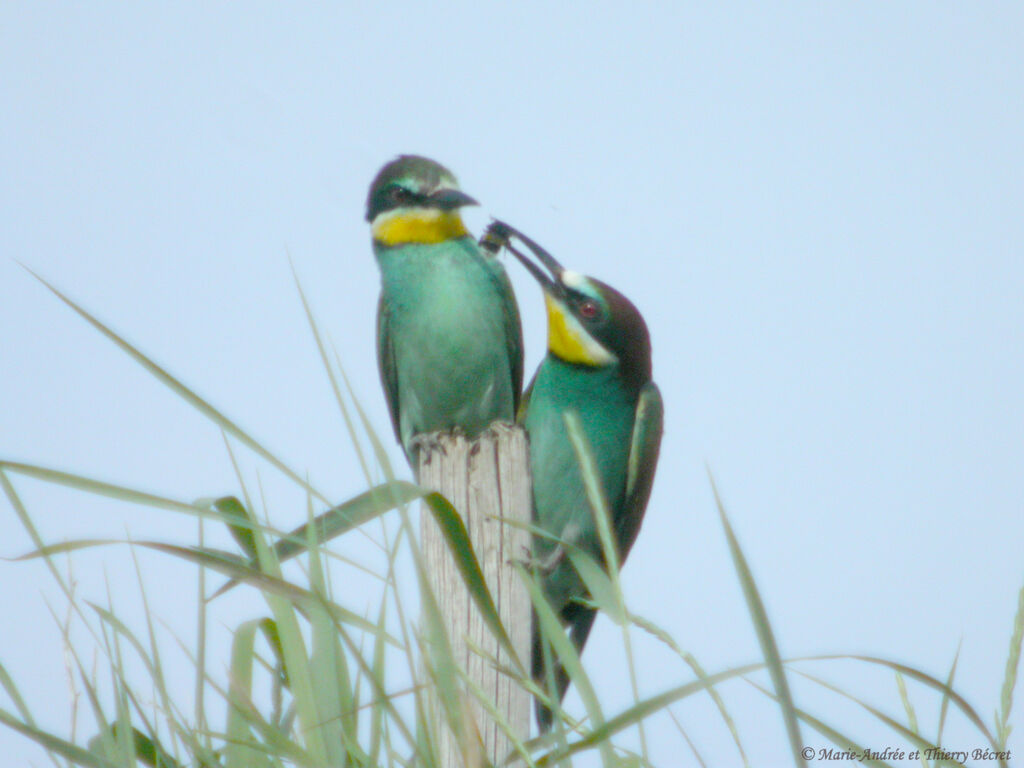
pixel 393 196
pixel 397 195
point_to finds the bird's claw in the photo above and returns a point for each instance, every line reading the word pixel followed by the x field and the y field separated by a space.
pixel 432 441
pixel 545 566
pixel 427 442
pixel 525 559
pixel 499 429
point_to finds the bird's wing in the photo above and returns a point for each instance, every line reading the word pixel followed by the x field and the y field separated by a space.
pixel 643 458
pixel 524 401
pixel 580 619
pixel 513 325
pixel 513 336
pixel 386 364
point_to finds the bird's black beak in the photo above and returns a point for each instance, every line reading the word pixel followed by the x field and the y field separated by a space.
pixel 499 234
pixel 450 199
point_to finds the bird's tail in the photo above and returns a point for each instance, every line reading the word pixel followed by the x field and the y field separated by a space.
pixel 579 619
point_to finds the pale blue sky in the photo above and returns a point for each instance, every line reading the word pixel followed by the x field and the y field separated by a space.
pixel 815 206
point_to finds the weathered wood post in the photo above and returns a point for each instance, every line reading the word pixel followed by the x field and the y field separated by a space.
pixel 487 481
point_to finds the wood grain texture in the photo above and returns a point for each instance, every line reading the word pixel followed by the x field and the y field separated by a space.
pixel 487 481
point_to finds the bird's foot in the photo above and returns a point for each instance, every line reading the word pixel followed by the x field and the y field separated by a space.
pixel 544 566
pixel 428 442
pixel 498 429
pixel 425 444
pixel 553 560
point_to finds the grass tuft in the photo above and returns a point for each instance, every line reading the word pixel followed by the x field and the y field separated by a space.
pixel 313 681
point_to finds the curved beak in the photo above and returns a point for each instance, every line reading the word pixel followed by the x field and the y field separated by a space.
pixel 499 234
pixel 450 199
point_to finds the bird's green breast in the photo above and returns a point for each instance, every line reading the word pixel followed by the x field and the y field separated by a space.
pixel 607 411
pixel 446 308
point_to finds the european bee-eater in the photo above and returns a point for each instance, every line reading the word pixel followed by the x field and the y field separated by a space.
pixel 598 365
pixel 449 341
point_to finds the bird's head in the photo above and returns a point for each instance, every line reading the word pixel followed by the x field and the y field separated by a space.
pixel 589 322
pixel 415 200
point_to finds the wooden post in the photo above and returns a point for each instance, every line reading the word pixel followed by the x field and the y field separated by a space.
pixel 486 480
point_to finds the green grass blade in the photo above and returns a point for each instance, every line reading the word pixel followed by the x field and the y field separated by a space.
pixel 496 715
pixel 595 492
pixel 454 531
pixel 330 684
pixel 691 661
pixel 272 585
pixel 145 747
pixel 377 672
pixel 349 426
pixel 553 634
pixel 144 750
pixel 921 677
pixel 916 739
pixel 66 547
pixel 54 744
pixel 241 749
pixel 764 633
pixel 184 392
pixel 297 657
pixel 150 752
pixel 15 696
pixel 630 717
pixel 380 455
pixel 845 743
pixel 908 707
pixel 119 628
pixel 944 707
pixel 273 639
pixel 241 525
pixel 26 521
pixel 7 682
pixel 609 547
pixel 1010 676
pixel 157 676
pixel 686 738
pixel 380 695
pixel 276 742
pixel 199 695
pixel 332 687
pixel 116 741
pixel 99 488
pixel 441 668
pixel 599 585
pixel 328 525
pixel 345 517
pixel 90 691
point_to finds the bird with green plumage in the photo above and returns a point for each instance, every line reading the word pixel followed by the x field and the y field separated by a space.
pixel 449 340
pixel 598 366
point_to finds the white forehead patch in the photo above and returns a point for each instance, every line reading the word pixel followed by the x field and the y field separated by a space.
pixel 572 279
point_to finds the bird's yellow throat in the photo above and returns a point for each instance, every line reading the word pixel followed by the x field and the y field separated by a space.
pixel 418 225
pixel 568 340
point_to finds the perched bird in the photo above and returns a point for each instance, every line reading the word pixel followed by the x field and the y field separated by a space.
pixel 598 364
pixel 449 340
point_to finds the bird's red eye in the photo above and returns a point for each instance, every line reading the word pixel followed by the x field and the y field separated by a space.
pixel 589 310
